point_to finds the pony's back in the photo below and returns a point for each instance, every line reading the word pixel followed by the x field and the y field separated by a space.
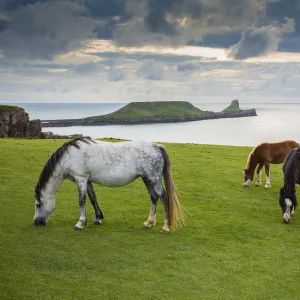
pixel 291 165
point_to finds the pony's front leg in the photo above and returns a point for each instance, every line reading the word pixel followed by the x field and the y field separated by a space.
pixel 258 177
pixel 268 180
pixel 82 189
pixel 92 196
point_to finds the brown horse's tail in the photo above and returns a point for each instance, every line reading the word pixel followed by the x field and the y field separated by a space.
pixel 175 211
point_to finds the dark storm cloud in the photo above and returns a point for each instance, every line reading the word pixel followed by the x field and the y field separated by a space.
pixel 218 40
pixel 206 13
pixel 43 30
pixel 40 29
pixel 280 9
pixel 178 21
pixel 107 8
pixel 3 25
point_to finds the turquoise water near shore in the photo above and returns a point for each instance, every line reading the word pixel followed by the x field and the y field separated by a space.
pixel 275 122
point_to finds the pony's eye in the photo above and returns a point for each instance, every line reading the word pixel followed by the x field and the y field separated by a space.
pixel 38 205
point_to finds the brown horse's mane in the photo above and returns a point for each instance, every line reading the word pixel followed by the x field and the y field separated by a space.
pixel 250 156
pixel 53 161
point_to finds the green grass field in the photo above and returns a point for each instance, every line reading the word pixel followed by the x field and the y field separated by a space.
pixel 234 245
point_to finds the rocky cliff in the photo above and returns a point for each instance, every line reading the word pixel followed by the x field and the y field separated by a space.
pixel 14 122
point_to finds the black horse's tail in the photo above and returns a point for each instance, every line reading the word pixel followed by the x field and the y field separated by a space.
pixel 175 211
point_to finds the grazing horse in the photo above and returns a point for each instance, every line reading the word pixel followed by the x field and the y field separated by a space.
pixel 264 155
pixel 291 171
pixel 85 161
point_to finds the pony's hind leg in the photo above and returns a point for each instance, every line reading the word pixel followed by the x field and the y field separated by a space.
pixel 258 173
pixel 164 199
pixel 268 180
pixel 161 193
pixel 154 198
pixel 82 189
pixel 93 199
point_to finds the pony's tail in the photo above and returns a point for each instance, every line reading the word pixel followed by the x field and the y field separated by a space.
pixel 175 211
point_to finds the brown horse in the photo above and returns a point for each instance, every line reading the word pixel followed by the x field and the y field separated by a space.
pixel 264 155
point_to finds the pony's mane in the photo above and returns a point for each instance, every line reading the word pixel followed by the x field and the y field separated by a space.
pixel 54 160
pixel 249 160
pixel 291 172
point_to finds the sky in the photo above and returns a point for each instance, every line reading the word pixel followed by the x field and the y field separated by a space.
pixel 149 50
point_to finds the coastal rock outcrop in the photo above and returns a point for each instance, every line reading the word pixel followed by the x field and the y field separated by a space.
pixel 14 122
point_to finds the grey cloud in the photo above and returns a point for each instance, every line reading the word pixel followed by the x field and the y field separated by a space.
pixel 42 30
pixel 150 71
pixel 188 67
pixel 255 42
pixel 260 41
pixel 115 74
pixel 86 69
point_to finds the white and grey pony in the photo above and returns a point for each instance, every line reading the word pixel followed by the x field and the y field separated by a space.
pixel 291 171
pixel 85 161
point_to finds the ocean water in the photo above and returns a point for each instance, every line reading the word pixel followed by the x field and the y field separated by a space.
pixel 275 122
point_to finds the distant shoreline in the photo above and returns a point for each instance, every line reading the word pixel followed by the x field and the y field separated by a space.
pixel 77 122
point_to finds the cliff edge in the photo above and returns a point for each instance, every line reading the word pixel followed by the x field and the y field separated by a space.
pixel 14 122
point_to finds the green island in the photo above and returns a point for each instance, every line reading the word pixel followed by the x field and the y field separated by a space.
pixel 234 245
pixel 154 112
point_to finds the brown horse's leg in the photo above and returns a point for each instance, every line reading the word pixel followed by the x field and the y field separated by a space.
pixel 258 173
pixel 268 180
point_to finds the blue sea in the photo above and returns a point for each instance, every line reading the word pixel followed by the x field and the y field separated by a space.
pixel 275 122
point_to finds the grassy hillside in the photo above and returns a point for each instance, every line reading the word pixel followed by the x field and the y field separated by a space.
pixel 9 107
pixel 148 110
pixel 234 246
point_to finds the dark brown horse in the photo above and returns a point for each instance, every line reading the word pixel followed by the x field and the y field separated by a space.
pixel 264 155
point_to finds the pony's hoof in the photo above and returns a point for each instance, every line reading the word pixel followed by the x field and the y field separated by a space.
pixel 76 228
pixel 149 224
pixel 257 184
pixel 97 222
pixel 267 186
pixel 165 229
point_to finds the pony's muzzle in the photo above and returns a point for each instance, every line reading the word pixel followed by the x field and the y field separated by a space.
pixel 286 219
pixel 39 221
pixel 247 183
